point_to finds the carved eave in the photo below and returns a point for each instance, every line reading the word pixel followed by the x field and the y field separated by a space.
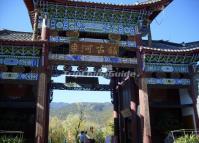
pixel 183 50
pixel 160 46
pixel 137 6
pixel 156 6
pixel 30 6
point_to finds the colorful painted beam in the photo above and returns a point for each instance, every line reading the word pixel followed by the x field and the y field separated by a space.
pixel 167 81
pixel 19 61
pixel 172 59
pixel 19 50
pixel 93 59
pixel 158 67
pixel 65 18
pixel 18 76
pixel 61 39
pixel 62 86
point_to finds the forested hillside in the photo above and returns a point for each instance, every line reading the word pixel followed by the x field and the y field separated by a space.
pixel 95 112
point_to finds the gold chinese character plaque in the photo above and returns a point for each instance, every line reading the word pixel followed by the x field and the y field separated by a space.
pixel 91 48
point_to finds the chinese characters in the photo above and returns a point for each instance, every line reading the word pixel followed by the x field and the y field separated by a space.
pixel 89 48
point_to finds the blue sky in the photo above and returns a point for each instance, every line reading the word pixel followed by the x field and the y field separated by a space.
pixel 177 23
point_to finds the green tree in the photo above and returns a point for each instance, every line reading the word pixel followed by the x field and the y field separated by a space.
pixel 70 120
pixel 73 126
pixel 75 123
pixel 56 130
pixel 7 139
pixel 188 139
pixel 109 127
pixel 99 136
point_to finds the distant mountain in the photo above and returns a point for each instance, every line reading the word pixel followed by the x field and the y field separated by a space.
pixel 96 112
pixel 58 105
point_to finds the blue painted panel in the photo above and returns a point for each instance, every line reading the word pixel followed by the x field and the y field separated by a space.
pixel 18 76
pixel 11 60
pixel 177 68
pixel 88 58
pixel 168 81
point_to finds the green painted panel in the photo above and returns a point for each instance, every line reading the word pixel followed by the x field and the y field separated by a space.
pixel 111 21
pixel 170 59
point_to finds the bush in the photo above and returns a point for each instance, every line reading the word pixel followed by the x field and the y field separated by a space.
pixel 188 139
pixel 6 139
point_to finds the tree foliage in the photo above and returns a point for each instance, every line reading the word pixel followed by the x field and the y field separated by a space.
pixel 56 130
pixel 188 139
pixel 69 127
pixel 7 139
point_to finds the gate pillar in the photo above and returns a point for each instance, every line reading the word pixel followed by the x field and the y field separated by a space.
pixel 144 112
pixel 42 109
pixel 115 111
pixel 133 107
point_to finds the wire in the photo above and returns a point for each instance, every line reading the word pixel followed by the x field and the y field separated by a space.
pixel 161 21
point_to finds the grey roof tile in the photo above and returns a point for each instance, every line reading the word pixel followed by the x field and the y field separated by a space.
pixel 9 35
pixel 161 45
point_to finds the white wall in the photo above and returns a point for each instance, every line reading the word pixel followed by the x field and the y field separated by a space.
pixel 196 90
pixel 185 96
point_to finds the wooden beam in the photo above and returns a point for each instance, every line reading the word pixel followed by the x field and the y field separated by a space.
pixel 98 87
pixel 35 26
pixel 42 109
pixel 149 34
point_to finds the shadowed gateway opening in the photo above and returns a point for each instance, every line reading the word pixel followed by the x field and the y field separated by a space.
pixel 98 125
pixel 85 108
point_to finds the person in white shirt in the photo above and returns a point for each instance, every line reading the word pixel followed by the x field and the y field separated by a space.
pixel 86 138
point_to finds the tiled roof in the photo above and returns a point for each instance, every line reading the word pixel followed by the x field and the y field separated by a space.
pixel 108 3
pixel 148 2
pixel 192 44
pixel 160 45
pixel 8 35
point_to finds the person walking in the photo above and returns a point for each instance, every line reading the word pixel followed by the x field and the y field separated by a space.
pixel 81 137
